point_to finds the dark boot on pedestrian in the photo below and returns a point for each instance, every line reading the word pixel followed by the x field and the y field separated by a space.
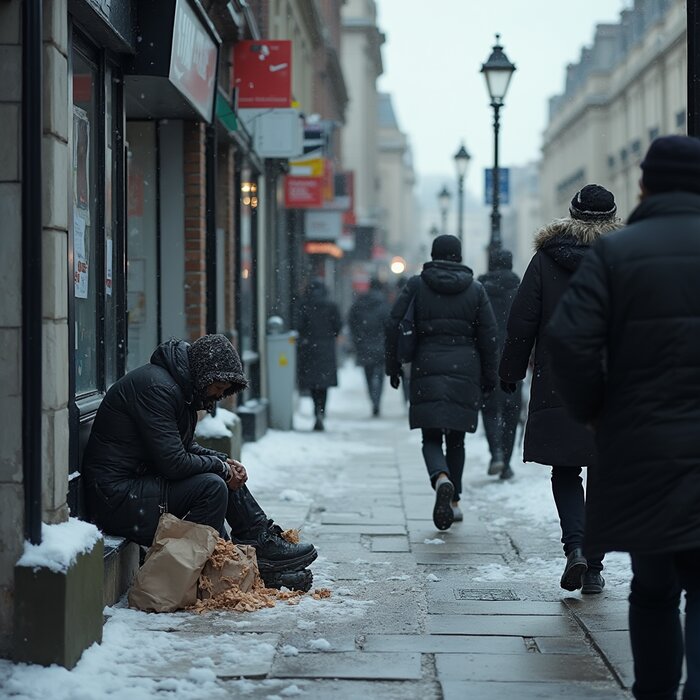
pixel 443 516
pixel 275 554
pixel 507 473
pixel 293 580
pixel 457 512
pixel 497 464
pixel 574 570
pixel 592 582
pixel 318 425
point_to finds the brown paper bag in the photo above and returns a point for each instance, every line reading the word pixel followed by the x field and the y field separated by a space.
pixel 167 580
pixel 231 565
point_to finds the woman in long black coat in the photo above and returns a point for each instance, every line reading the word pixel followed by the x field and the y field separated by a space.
pixel 552 437
pixel 453 369
pixel 319 324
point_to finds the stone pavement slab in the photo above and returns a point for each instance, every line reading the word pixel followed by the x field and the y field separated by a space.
pixel 361 665
pixel 391 543
pixel 521 668
pixel 366 528
pixel 503 625
pixel 435 643
pixel 435 556
pixel 496 607
pixel 461 690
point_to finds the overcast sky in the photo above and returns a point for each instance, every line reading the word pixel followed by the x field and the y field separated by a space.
pixel 432 57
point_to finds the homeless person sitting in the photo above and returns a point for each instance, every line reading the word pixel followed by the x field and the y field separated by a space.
pixel 142 460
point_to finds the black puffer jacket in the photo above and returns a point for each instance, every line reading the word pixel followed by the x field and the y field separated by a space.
pixel 319 326
pixel 456 356
pixel 367 318
pixel 636 302
pixel 143 436
pixel 552 437
pixel 501 287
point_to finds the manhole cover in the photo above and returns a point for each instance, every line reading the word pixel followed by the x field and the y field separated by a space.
pixel 485 594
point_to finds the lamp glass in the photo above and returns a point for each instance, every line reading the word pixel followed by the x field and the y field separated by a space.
pixel 444 197
pixel 497 82
pixel 462 159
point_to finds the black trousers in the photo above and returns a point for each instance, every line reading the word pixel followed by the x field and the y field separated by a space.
pixel 319 397
pixel 567 489
pixel 450 462
pixel 501 414
pixel 656 635
pixel 206 499
pixel 374 373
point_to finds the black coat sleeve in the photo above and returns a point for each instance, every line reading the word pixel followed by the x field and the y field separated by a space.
pixel 523 324
pixel 391 328
pixel 196 449
pixel 157 423
pixel 577 334
pixel 487 341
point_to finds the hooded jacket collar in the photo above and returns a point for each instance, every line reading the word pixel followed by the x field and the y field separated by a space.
pixel 446 277
pixel 172 356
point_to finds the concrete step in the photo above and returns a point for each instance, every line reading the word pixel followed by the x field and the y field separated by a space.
pixel 121 562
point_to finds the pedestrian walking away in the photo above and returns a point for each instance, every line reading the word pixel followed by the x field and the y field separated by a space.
pixel 552 437
pixel 501 411
pixel 319 326
pixel 625 344
pixel 453 368
pixel 367 318
pixel 141 459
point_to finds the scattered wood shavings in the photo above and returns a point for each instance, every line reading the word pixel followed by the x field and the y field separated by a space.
pixel 321 593
pixel 291 536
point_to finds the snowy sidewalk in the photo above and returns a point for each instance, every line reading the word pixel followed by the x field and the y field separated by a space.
pixel 415 613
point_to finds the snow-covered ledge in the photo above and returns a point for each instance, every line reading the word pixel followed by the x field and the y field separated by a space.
pixel 58 594
pixel 222 432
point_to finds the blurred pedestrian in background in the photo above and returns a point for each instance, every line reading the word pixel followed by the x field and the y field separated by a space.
pixel 501 411
pixel 625 345
pixel 453 368
pixel 366 319
pixel 552 437
pixel 319 326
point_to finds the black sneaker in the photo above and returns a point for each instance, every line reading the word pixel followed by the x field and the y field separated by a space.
pixel 443 516
pixel 293 580
pixel 507 473
pixel 318 425
pixel 592 582
pixel 275 554
pixel 574 570
pixel 496 465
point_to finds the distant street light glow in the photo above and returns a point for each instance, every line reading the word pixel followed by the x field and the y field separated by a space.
pixel 398 265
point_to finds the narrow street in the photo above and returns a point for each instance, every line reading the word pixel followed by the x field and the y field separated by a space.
pixel 474 612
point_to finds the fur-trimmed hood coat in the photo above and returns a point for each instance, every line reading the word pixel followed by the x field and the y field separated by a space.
pixel 552 437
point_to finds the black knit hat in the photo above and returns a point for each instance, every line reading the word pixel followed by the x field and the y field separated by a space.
pixel 446 247
pixel 672 163
pixel 214 359
pixel 593 203
pixel 501 259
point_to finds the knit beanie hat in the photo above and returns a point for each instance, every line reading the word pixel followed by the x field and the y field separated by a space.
pixel 446 247
pixel 593 203
pixel 501 259
pixel 672 163
pixel 214 359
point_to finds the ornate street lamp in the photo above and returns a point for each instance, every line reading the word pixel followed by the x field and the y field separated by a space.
pixel 444 197
pixel 462 159
pixel 498 71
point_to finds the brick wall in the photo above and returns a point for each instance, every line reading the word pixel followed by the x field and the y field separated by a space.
pixel 195 229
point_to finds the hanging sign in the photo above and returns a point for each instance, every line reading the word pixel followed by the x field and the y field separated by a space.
pixel 303 192
pixel 262 72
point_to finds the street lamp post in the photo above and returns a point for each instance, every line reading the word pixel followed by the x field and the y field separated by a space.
pixel 497 71
pixel 462 159
pixel 444 197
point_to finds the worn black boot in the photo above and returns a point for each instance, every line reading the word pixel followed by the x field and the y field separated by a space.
pixel 275 554
pixel 574 570
pixel 592 582
pixel 293 580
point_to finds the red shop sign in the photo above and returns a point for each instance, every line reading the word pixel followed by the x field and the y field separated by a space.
pixel 303 192
pixel 262 72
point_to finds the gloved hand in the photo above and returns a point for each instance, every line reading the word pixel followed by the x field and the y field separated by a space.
pixel 508 387
pixel 395 380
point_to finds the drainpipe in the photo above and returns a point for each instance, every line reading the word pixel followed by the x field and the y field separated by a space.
pixel 210 236
pixel 693 14
pixel 31 264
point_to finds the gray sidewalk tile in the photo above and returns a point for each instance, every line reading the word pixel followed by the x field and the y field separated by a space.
pixel 504 625
pixel 434 556
pixel 521 668
pixel 392 543
pixel 496 607
pixel 360 665
pixel 435 643
pixel 462 690
pixel 366 529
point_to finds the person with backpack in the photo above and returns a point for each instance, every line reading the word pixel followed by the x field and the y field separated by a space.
pixel 453 367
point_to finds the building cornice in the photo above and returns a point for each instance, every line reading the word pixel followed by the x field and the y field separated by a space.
pixel 308 9
pixel 375 38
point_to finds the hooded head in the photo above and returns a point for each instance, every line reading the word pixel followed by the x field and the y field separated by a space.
pixel 593 203
pixel 214 363
pixel 501 259
pixel 672 163
pixel 447 247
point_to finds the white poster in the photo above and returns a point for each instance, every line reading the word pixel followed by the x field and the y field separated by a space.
pixel 80 263
pixel 108 267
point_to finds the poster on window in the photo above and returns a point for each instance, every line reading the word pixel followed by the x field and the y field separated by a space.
pixel 80 262
pixel 108 267
pixel 81 162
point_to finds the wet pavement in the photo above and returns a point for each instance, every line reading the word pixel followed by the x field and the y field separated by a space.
pixel 475 611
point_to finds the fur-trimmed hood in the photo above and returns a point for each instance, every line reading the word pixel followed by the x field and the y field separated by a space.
pixel 567 240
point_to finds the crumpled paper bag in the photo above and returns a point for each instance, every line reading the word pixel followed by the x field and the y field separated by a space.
pixel 230 565
pixel 167 581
